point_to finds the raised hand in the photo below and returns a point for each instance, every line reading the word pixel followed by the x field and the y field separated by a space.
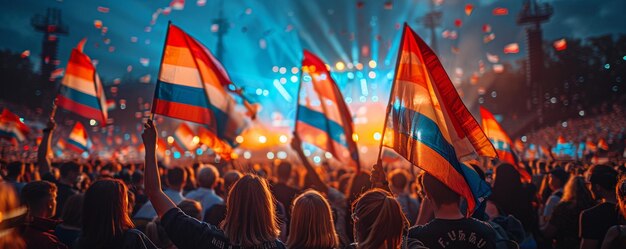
pixel 149 135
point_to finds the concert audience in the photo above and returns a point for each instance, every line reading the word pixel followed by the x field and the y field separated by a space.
pixel 312 225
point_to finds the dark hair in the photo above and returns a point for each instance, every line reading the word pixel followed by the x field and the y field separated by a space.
pixel 398 178
pixel 191 208
pixel 72 211
pixel 176 176
pixel 509 195
pixel 69 167
pixel 36 194
pixel 438 192
pixel 283 171
pixel 15 168
pixel 604 176
pixel 137 177
pixel 378 220
pixel 105 214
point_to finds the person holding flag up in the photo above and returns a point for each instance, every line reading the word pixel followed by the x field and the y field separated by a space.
pixel 428 124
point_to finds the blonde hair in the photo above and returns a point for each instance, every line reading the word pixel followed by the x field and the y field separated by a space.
pixel 312 224
pixel 378 220
pixel 250 213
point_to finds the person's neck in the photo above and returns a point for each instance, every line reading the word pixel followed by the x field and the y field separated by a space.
pixel 448 212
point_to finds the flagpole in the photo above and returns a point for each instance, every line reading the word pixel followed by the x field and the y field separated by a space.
pixel 167 34
pixel 393 84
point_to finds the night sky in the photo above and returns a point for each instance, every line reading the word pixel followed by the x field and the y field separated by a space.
pixel 269 33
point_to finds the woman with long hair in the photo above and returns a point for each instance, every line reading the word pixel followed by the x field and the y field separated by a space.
pixel 378 221
pixel 105 221
pixel 563 224
pixel 312 224
pixel 250 217
pixel 507 183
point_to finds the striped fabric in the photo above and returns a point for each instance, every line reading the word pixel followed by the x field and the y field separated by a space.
pixel 184 137
pixel 11 127
pixel 81 91
pixel 190 87
pixel 78 140
pixel 61 144
pixel 502 142
pixel 323 118
pixel 218 146
pixel 161 148
pixel 429 125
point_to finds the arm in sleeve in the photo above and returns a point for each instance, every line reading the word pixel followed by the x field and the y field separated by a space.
pixel 187 232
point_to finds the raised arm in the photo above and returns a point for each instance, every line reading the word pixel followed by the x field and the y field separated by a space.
pixel 319 185
pixel 379 177
pixel 159 200
pixel 43 161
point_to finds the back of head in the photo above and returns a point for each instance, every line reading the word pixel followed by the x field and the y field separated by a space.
pixel 378 220
pixel 358 184
pixel 312 224
pixel 207 176
pixel 603 176
pixel 105 213
pixel 283 171
pixel 15 169
pixel 398 179
pixel 176 177
pixel 38 196
pixel 438 192
pixel 230 178
pixel 191 208
pixel 506 183
pixel 245 228
pixel 72 211
pixel 577 193
pixel 68 168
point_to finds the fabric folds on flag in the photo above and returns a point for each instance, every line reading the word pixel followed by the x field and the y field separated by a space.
pixel 501 141
pixel 218 146
pixel 78 139
pixel 184 137
pixel 429 125
pixel 12 128
pixel 323 118
pixel 190 87
pixel 81 91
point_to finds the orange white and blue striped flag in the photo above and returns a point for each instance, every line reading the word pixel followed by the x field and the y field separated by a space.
pixel 78 139
pixel 428 124
pixel 12 127
pixel 184 137
pixel 323 118
pixel 501 141
pixel 190 87
pixel 81 91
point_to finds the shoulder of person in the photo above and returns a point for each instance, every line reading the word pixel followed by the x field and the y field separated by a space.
pixel 133 238
pixel 415 231
pixel 612 233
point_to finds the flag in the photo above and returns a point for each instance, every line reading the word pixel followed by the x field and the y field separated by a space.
pixel 161 147
pixel 218 146
pixel 512 48
pixel 602 144
pixel 111 104
pixel 184 137
pixel 560 45
pixel 61 144
pixel 81 90
pixel 502 142
pixel 12 127
pixel 323 118
pixel 78 140
pixel 591 147
pixel 429 125
pixel 190 87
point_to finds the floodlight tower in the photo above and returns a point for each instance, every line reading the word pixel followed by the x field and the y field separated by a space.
pixel 532 15
pixel 51 26
pixel 222 28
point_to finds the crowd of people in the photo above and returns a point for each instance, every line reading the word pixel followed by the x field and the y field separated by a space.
pixel 99 204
